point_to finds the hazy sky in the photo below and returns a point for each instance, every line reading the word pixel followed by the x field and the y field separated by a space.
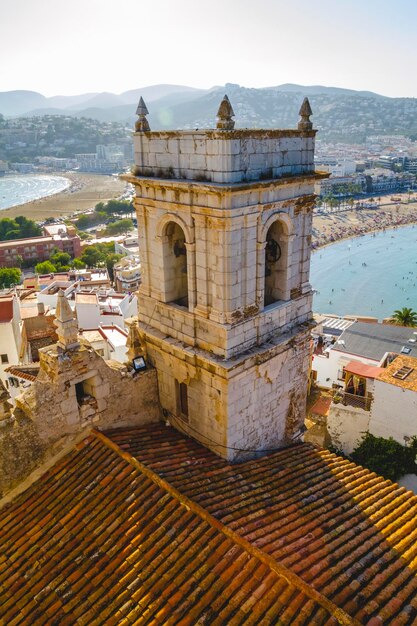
pixel 68 47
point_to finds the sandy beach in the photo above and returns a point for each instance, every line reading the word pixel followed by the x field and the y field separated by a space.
pixel 87 190
pixel 84 193
pixel 333 227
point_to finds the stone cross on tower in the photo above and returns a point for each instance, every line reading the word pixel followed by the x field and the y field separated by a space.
pixel 225 114
pixel 67 329
pixel 142 123
pixel 305 112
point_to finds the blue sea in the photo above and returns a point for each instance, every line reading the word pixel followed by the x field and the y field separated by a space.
pixel 369 275
pixel 15 190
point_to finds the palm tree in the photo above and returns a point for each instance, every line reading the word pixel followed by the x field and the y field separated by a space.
pixel 405 317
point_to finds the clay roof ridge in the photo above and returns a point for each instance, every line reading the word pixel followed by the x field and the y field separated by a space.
pixel 293 579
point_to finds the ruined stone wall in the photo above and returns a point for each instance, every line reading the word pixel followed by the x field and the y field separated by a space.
pixel 49 413
pixel 114 396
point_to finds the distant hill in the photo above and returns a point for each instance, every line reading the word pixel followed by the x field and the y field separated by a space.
pixel 310 90
pixel 19 102
pixel 154 92
pixel 13 103
pixel 339 114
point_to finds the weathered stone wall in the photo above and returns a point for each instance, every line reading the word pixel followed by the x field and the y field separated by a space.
pixel 114 395
pixel 224 156
pixel 206 389
pixel 48 414
pixel 254 403
pixel 346 426
pixel 21 450
pixel 267 399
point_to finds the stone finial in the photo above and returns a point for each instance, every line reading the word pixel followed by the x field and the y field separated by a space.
pixel 305 112
pixel 67 328
pixel 225 114
pixel 142 124
pixel 5 405
pixel 136 346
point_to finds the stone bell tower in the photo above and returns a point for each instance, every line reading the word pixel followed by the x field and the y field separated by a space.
pixel 224 221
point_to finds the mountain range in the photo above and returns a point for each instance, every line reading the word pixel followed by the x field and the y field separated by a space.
pixel 339 114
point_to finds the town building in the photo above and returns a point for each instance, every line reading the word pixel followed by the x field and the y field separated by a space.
pixel 361 365
pixel 37 249
pixel 127 246
pixel 127 274
pixel 370 343
pixel 10 332
pixel 109 341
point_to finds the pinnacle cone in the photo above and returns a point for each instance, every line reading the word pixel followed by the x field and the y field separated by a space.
pixel 142 108
pixel 225 109
pixel 63 309
pixel 305 109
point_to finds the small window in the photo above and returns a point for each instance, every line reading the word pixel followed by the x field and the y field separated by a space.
pixel 79 392
pixel 4 358
pixel 183 399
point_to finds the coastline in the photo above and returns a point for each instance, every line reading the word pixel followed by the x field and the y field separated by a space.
pixel 84 192
pixel 376 220
pixel 66 178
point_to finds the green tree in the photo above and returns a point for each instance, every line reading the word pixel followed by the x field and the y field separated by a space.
pixel 120 227
pixel 28 228
pixel 46 267
pixel 77 264
pixel 110 262
pixel 18 228
pixel 386 457
pixel 405 317
pixel 61 260
pixel 89 220
pixel 9 276
pixel 18 259
pixel 120 207
pixel 92 256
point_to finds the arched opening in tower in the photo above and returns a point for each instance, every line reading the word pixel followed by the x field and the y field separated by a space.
pixel 175 264
pixel 275 264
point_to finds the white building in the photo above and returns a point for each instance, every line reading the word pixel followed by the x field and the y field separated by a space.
pixel 108 341
pixel 127 274
pixel 371 344
pixel 10 333
pixel 396 394
pixel 374 370
pixel 103 308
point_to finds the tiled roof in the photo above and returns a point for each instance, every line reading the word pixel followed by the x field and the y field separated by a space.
pixel 350 534
pixel 322 406
pixel 410 380
pixel 101 539
pixel 28 372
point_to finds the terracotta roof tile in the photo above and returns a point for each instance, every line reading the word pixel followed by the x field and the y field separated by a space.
pixel 101 539
pixel 344 530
